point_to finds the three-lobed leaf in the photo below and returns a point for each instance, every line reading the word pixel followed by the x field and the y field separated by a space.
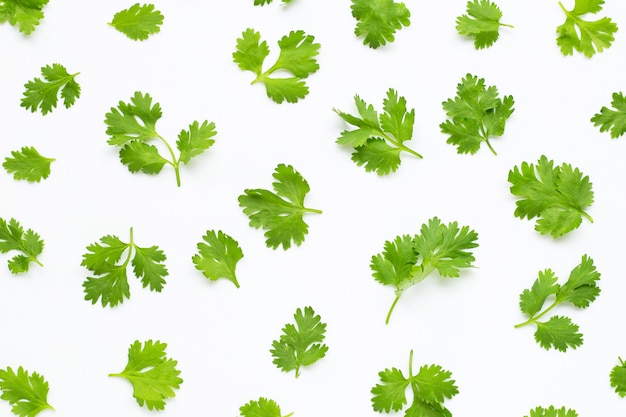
pixel 217 256
pixel 27 393
pixel 14 238
pixel 482 23
pixel 24 14
pixel 152 374
pixel 138 22
pixel 43 94
pixel 585 36
pixel 614 119
pixel 378 20
pixel 28 164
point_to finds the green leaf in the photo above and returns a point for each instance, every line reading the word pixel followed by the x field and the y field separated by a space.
pixel 152 374
pixel 297 58
pixel 618 378
pixel 378 20
pixel 557 195
pixel 552 412
pixel 475 115
pixel 28 164
pixel 29 243
pixel 581 287
pixel 281 212
pixel 140 156
pixel 138 22
pixel 43 94
pixel 390 394
pixel 434 385
pixel 559 333
pixel 613 120
pixel 263 407
pixel 217 256
pixel 300 344
pixel 395 265
pixel 532 300
pixel 482 23
pixel 27 394
pixel 195 141
pixel 133 121
pixel 587 37
pixel 110 282
pixel 24 14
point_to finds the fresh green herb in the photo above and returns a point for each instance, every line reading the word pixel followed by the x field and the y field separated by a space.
pixel 585 36
pixel 613 120
pixel 110 284
pixel 552 412
pixel 280 213
pixel 154 376
pixel 28 164
pixel 475 115
pixel 482 22
pixel 138 22
pixel 300 344
pixel 25 14
pixel 431 386
pixel 263 407
pixel 558 196
pixel 264 2
pixel 618 378
pixel 28 394
pixel 217 256
pixel 297 57
pixel 133 124
pixel 408 260
pixel 379 140
pixel 580 290
pixel 43 95
pixel 378 20
pixel 13 237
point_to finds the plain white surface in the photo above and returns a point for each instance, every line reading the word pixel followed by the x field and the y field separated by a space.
pixel 221 335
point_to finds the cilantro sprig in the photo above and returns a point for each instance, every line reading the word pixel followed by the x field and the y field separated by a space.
pixel 476 114
pixel 578 34
pixel 552 412
pixel 430 387
pixel 557 195
pixel 482 23
pixel 24 14
pixel 29 243
pixel 281 212
pixel 138 22
pixel 27 393
pixel 43 94
pixel 217 256
pixel 378 20
pixel 300 344
pixel 263 407
pixel 407 260
pixel 28 164
pixel 297 57
pixel 131 125
pixel 110 282
pixel 379 139
pixel 579 290
pixel 152 374
pixel 617 378
pixel 264 2
pixel 612 119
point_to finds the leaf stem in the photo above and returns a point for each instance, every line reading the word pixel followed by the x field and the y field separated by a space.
pixel 537 317
pixel 399 145
pixel 310 210
pixel 411 364
pixel 490 147
pixel 174 162
pixel 393 305
pixel 587 216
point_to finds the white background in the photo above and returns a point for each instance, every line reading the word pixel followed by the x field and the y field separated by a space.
pixel 221 335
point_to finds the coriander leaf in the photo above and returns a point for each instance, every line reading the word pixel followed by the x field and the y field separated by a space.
pixel 613 120
pixel 475 115
pixel 582 35
pixel 43 94
pixel 264 2
pixel 25 14
pixel 618 378
pixel 378 20
pixel 262 407
pixel 300 344
pixel 28 164
pixel 482 22
pixel 138 22
pixel 131 125
pixel 580 290
pixel 28 394
pixel 378 140
pixel 552 412
pixel 217 256
pixel 430 387
pixel 406 261
pixel 296 57
pixel 558 196
pixel 110 282
pixel 153 375
pixel 281 212
pixel 13 237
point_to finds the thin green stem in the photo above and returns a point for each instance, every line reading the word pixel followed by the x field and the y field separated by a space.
pixel 411 364
pixel 564 9
pixel 393 305
pixel 507 25
pixel 174 162
pixel 310 210
pixel 399 145
pixel 490 147
pixel 587 216
pixel 537 317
